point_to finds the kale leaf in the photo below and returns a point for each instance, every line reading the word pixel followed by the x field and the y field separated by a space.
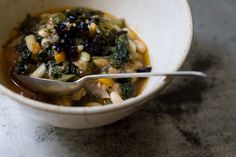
pixel 57 72
pixel 68 69
pixel 120 54
pixel 99 46
pixel 25 54
pixel 45 54
pixel 25 59
pixel 127 88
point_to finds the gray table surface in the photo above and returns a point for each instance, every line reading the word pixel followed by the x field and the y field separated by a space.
pixel 190 118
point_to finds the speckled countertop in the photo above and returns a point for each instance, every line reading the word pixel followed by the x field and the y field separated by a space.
pixel 191 118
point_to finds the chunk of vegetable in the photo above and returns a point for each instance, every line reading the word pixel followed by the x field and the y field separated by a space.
pixel 30 40
pixel 101 62
pixel 103 42
pixel 40 71
pixel 127 88
pixel 45 54
pixel 60 57
pixel 112 70
pixel 44 42
pixel 53 38
pixel 25 54
pixel 57 71
pixel 115 98
pixel 84 56
pixel 80 48
pixel 120 54
pixel 81 64
pixel 132 47
pixel 140 46
pixel 43 33
pixel 36 48
pixel 107 81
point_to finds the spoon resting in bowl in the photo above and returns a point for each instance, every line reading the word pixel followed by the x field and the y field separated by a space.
pixel 59 88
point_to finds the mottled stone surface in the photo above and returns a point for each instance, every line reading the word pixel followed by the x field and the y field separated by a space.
pixel 191 118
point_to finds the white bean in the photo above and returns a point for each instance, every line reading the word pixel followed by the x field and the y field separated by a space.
pixel 84 56
pixel 101 62
pixel 136 56
pixel 30 40
pixel 138 64
pixel 43 33
pixel 44 42
pixel 80 48
pixel 39 72
pixel 115 98
pixel 129 68
pixel 116 88
pixel 81 64
pixel 140 46
pixel 132 46
pixel 53 38
pixel 112 70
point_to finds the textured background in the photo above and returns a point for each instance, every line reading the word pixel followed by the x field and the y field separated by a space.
pixel 191 118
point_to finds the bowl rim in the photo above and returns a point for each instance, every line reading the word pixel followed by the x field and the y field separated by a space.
pixel 47 107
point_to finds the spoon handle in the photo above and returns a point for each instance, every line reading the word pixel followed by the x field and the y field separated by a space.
pixel 145 75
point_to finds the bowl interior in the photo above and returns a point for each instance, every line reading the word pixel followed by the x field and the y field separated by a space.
pixel 165 26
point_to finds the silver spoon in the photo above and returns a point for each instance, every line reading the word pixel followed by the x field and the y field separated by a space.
pixel 59 88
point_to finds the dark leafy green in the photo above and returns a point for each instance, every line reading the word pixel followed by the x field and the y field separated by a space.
pixel 57 71
pixel 120 54
pixel 102 43
pixel 107 41
pixel 127 88
pixel 25 54
pixel 45 54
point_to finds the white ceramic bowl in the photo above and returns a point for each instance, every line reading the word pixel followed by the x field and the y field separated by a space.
pixel 165 25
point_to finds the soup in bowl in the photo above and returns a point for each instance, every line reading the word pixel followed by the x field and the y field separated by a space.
pixel 71 43
pixel 158 32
